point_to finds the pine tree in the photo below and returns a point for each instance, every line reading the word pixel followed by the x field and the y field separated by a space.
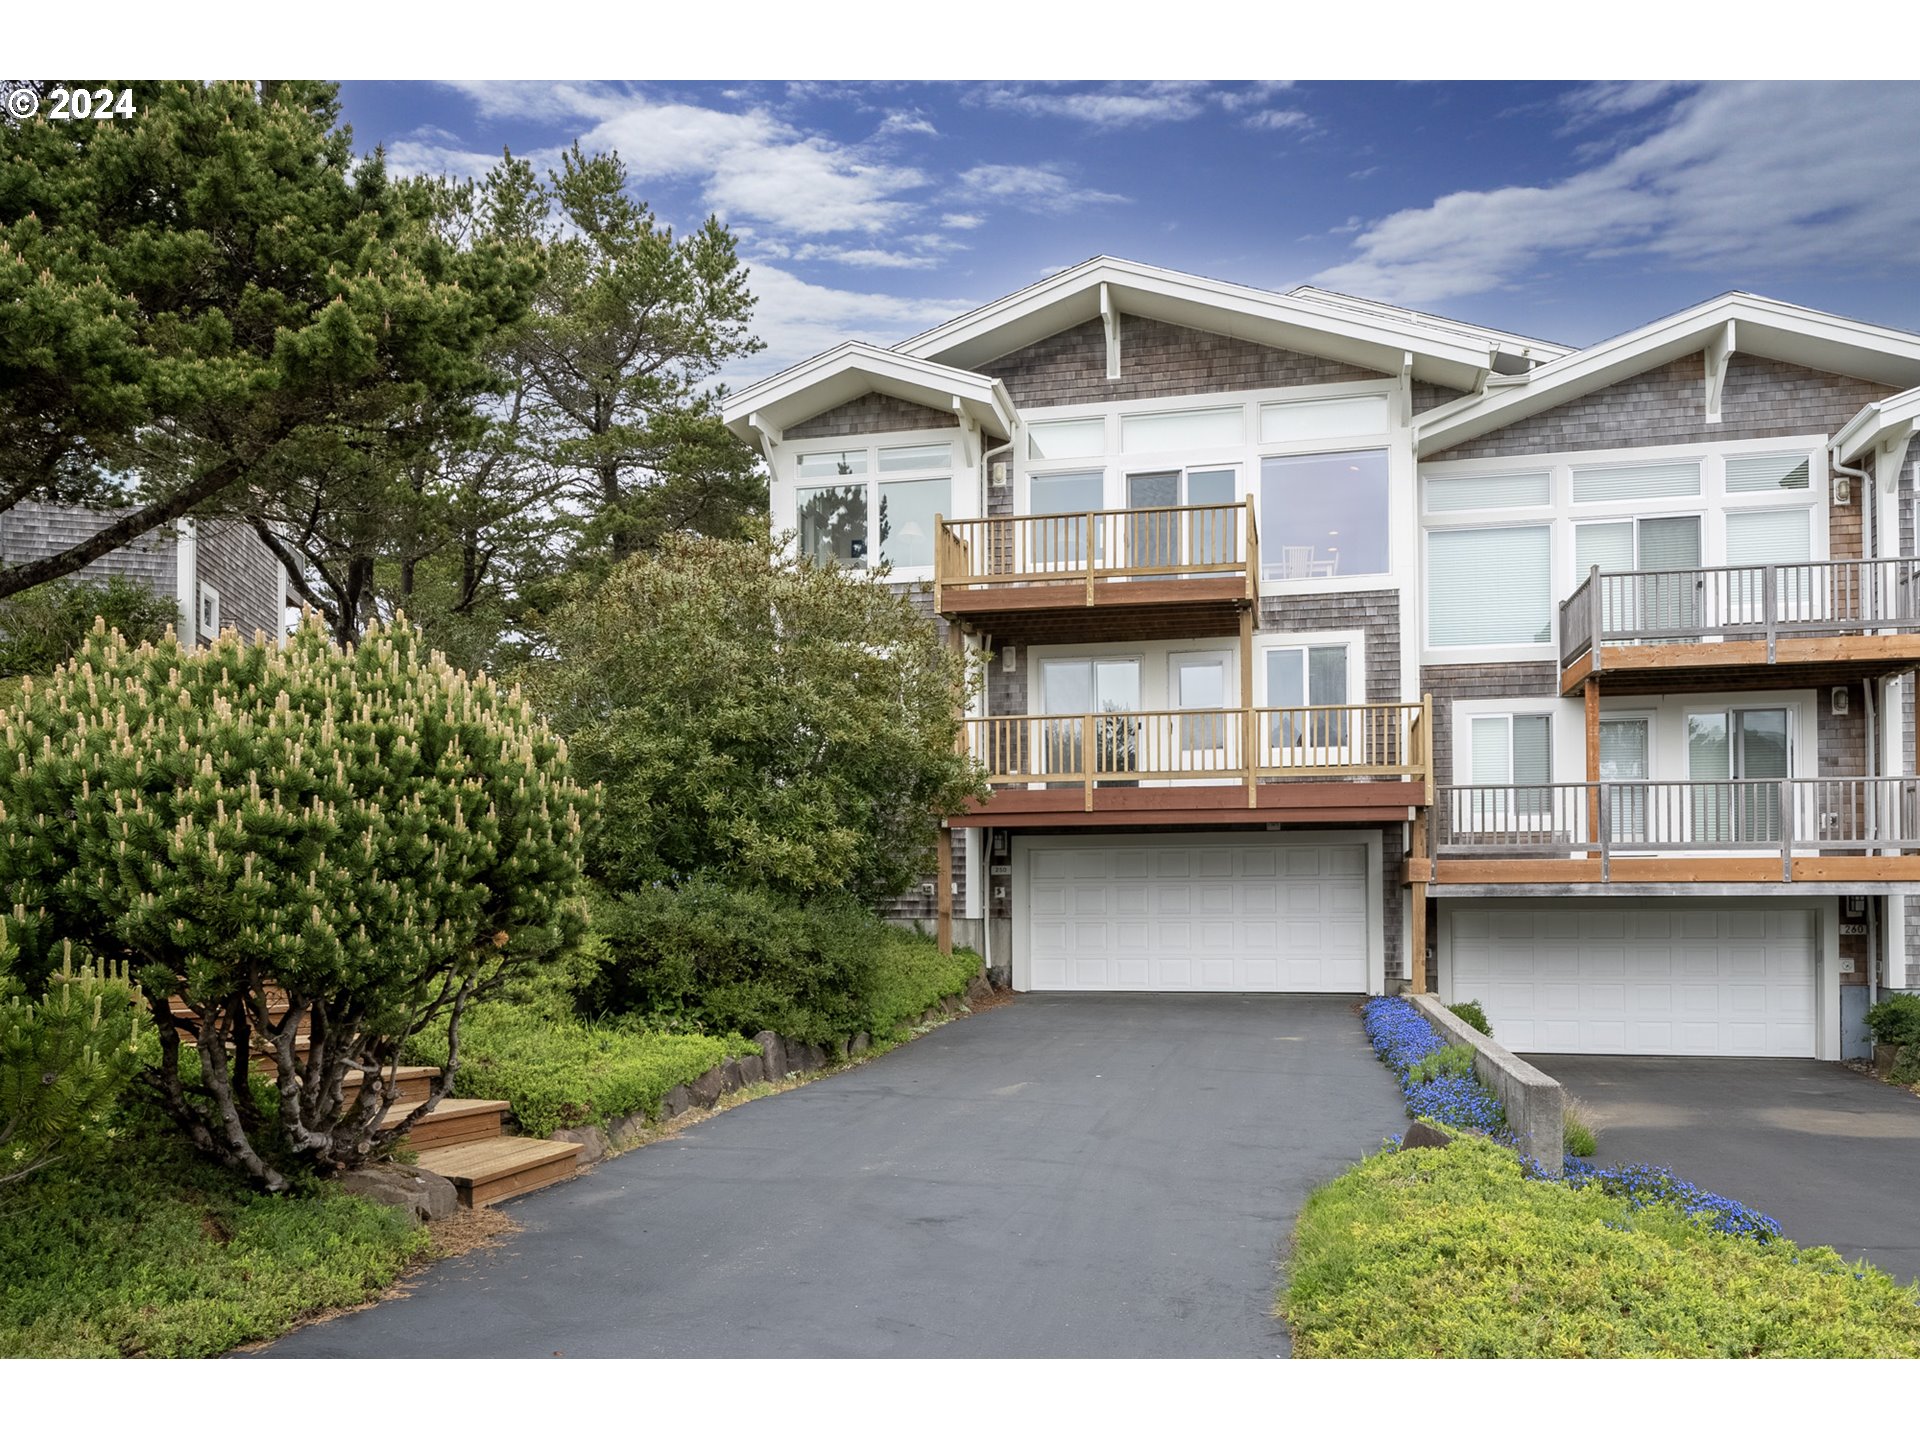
pixel 368 837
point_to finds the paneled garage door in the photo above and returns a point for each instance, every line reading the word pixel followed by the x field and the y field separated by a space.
pixel 1270 916
pixel 1626 980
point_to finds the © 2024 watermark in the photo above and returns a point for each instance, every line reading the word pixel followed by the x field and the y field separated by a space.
pixel 69 101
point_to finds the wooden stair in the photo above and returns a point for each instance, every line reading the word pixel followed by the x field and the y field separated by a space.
pixel 502 1167
pixel 462 1139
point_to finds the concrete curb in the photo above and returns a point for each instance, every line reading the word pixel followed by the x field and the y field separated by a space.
pixel 1535 1103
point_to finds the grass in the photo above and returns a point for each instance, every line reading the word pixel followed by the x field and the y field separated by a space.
pixel 1455 1253
pixel 1580 1129
pixel 137 1246
pixel 557 1070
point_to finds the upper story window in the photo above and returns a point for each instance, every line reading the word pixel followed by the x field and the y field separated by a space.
pixel 1747 474
pixel 1491 586
pixel 1324 516
pixel 844 522
pixel 1170 430
pixel 1593 484
pixel 1294 421
pixel 1489 492
pixel 1067 439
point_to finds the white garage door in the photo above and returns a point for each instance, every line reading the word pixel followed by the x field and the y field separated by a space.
pixel 1262 916
pixel 1627 980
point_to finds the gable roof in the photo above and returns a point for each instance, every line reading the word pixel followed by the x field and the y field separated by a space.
pixel 1883 427
pixel 1736 322
pixel 1375 339
pixel 854 368
pixel 1528 348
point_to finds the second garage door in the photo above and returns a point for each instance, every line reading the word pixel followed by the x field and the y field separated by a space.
pixel 1260 916
pixel 1637 980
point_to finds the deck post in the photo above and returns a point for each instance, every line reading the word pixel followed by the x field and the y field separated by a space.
pixel 1246 708
pixel 1092 541
pixel 943 890
pixel 1591 692
pixel 1417 898
pixel 1595 610
pixel 939 557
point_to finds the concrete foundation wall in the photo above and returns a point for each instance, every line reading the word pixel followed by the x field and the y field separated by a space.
pixel 1535 1103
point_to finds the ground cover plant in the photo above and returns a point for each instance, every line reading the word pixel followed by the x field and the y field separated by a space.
pixel 1896 1021
pixel 1458 1252
pixel 136 1245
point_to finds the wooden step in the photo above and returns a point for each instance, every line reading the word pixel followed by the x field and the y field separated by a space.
pixel 484 1171
pixel 451 1122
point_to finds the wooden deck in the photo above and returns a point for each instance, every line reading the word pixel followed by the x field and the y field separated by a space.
pixel 1292 802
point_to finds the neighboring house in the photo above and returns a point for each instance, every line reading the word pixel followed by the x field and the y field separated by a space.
pixel 1337 647
pixel 218 572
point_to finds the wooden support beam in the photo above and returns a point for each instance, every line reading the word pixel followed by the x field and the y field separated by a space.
pixel 1248 735
pixel 1417 898
pixel 943 891
pixel 1592 689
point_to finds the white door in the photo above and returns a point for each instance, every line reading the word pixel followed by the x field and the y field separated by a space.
pixel 1260 916
pixel 1632 979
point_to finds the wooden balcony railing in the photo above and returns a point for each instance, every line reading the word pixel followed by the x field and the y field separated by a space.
pixel 1745 602
pixel 1247 747
pixel 1167 542
pixel 1611 819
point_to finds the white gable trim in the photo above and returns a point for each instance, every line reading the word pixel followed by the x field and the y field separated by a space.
pixel 762 410
pixel 1751 323
pixel 1376 341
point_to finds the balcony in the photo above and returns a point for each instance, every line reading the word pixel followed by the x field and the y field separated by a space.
pixel 1825 622
pixel 1166 572
pixel 1840 834
pixel 1184 767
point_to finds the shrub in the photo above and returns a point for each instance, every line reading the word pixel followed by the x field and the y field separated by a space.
pixel 558 1070
pixel 1470 1011
pixel 1455 1252
pixel 65 1055
pixel 1643 1185
pixel 1451 1060
pixel 759 720
pixel 747 960
pixel 43 628
pixel 1896 1020
pixel 368 833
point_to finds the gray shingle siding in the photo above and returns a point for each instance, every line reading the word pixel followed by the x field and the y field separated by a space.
pixel 871 414
pixel 234 561
pixel 1156 358
pixel 32 531
pixel 1374 612
pixel 1447 683
pixel 1667 406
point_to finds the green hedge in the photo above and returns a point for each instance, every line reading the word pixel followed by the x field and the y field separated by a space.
pixel 1455 1253
pixel 559 1071
pixel 720 959
pixel 139 1247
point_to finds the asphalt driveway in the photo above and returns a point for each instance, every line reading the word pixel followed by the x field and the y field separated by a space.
pixel 1102 1175
pixel 1832 1155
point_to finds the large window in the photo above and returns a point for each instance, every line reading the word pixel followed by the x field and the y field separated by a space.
pixel 1324 516
pixel 843 521
pixel 1300 677
pixel 1490 587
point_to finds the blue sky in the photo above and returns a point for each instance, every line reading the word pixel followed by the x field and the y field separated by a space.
pixel 1567 211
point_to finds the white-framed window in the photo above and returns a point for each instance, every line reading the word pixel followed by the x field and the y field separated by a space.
pixel 1286 422
pixel 869 504
pixel 1491 586
pixel 209 620
pixel 1650 480
pixel 1084 438
pixel 1157 431
pixel 1489 492
pixel 1512 750
pixel 1324 516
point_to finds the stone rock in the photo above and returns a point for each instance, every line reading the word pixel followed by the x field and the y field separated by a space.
pixel 950 1004
pixel 426 1195
pixel 803 1058
pixel 675 1102
pixel 931 1014
pixel 708 1088
pixel 773 1051
pixel 1422 1136
pixel 978 990
pixel 730 1077
pixel 860 1044
pixel 1000 977
pixel 1886 1059
pixel 590 1136
pixel 626 1131
pixel 753 1069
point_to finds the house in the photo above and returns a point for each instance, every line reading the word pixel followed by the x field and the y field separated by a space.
pixel 1340 647
pixel 218 571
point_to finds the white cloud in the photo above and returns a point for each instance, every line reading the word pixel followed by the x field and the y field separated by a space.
pixel 1610 99
pixel 1279 120
pixel 798 318
pixel 1255 92
pixel 1031 187
pixel 1767 178
pixel 907 122
pixel 1107 107
pixel 963 221
pixel 749 164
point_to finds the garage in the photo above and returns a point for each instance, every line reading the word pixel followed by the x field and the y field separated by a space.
pixel 1158 913
pixel 1638 978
